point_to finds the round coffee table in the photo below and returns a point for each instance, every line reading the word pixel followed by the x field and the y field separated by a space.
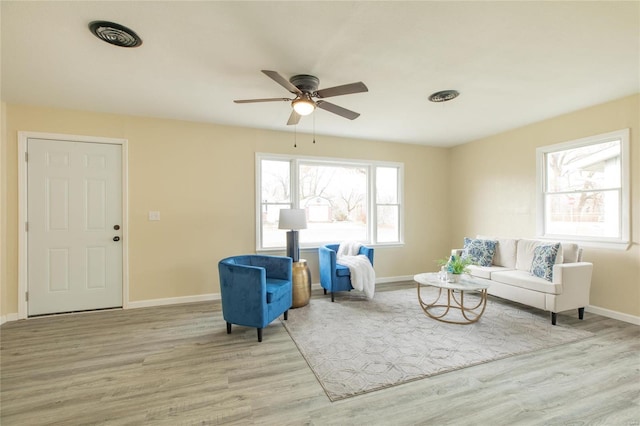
pixel 454 297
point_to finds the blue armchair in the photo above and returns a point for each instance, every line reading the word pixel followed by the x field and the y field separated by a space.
pixel 255 290
pixel 333 276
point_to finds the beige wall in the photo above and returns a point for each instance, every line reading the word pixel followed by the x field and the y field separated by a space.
pixel 201 178
pixel 493 192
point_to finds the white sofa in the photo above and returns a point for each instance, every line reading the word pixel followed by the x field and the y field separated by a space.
pixel 512 279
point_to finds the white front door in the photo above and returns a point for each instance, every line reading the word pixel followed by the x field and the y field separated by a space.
pixel 74 214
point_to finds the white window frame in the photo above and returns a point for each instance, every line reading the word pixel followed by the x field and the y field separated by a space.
pixel 295 160
pixel 623 241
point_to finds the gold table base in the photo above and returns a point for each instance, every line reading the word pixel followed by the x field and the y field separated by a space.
pixel 301 284
pixel 469 313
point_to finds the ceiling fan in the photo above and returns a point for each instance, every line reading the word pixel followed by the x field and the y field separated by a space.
pixel 305 88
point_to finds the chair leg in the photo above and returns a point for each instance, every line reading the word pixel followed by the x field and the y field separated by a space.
pixel 228 328
pixel 581 313
pixel 286 315
pixel 259 335
pixel 553 318
pixel 332 297
pixel 325 291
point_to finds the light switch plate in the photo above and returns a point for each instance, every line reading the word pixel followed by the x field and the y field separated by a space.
pixel 154 215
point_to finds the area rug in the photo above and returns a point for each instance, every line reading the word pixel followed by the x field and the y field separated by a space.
pixel 355 345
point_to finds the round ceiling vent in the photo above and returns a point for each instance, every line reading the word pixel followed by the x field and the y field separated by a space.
pixel 444 96
pixel 115 34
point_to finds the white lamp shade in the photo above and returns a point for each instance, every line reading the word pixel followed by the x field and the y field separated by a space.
pixel 292 219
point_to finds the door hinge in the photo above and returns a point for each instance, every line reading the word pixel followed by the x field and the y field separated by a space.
pixel 26 296
pixel 26 156
pixel 26 227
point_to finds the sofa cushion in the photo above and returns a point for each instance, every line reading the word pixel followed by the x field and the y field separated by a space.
pixel 479 251
pixel 544 258
pixel 485 271
pixel 524 279
pixel 505 254
pixel 525 252
pixel 570 252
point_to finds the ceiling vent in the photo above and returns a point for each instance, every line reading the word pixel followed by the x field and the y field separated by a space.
pixel 444 96
pixel 115 34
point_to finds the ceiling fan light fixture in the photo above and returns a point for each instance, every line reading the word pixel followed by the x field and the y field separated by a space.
pixel 304 87
pixel 304 105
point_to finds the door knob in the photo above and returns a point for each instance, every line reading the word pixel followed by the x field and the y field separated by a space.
pixel 116 238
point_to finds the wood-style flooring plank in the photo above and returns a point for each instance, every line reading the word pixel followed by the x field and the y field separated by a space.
pixel 175 365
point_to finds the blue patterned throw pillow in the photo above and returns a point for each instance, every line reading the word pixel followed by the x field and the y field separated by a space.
pixel 544 257
pixel 479 251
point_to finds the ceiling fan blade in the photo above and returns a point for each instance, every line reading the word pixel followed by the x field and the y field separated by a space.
pixel 275 76
pixel 249 101
pixel 294 118
pixel 345 89
pixel 346 113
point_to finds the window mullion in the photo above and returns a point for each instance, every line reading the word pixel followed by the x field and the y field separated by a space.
pixel 294 190
pixel 583 191
pixel 373 205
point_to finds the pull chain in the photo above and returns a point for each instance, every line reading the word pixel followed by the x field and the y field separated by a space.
pixel 295 136
pixel 314 128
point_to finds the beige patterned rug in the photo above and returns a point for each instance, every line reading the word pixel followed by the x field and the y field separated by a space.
pixel 357 345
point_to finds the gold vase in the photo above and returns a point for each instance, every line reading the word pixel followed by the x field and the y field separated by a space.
pixel 301 284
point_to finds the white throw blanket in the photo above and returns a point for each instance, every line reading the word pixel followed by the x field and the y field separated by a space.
pixel 363 277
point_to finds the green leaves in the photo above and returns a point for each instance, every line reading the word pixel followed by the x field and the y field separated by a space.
pixel 456 264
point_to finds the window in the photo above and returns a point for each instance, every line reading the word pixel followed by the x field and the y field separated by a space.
pixel 343 199
pixel 583 189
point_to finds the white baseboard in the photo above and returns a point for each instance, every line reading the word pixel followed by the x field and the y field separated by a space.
pixel 8 318
pixel 317 286
pixel 172 301
pixel 632 319
pixel 394 279
pixel 613 314
pixel 216 296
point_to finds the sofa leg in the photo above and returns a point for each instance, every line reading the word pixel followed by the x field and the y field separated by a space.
pixel 553 318
pixel 581 313
pixel 332 297
pixel 286 315
pixel 228 328
pixel 259 335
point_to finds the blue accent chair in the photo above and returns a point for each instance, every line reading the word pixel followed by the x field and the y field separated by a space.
pixel 333 276
pixel 255 290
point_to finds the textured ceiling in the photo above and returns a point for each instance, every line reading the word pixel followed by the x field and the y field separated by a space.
pixel 514 63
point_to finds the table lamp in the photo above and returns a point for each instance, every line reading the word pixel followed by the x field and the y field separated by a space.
pixel 293 219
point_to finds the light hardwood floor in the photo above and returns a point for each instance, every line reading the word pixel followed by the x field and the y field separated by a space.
pixel 176 365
